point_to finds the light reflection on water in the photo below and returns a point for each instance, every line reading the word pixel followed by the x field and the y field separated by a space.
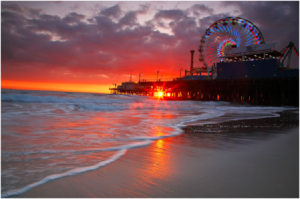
pixel 35 146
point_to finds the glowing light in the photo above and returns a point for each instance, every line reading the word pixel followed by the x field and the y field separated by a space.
pixel 223 45
pixel 160 94
pixel 24 85
pixel 160 143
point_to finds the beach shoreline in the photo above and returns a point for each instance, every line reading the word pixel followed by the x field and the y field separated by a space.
pixel 255 161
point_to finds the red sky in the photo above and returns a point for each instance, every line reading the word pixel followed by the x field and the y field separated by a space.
pixel 87 47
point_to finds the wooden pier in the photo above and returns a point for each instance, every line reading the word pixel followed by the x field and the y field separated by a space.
pixel 268 92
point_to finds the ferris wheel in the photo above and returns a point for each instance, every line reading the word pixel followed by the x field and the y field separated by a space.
pixel 225 34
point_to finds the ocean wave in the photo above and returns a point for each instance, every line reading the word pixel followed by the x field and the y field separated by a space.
pixel 116 148
pixel 56 99
pixel 67 173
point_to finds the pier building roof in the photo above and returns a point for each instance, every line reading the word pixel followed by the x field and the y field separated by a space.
pixel 254 52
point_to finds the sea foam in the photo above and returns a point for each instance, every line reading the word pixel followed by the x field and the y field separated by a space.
pixel 68 173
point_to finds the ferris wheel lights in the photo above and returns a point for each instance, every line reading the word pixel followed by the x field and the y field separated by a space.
pixel 233 22
pixel 225 34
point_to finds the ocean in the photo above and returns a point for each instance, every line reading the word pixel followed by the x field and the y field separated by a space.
pixel 47 135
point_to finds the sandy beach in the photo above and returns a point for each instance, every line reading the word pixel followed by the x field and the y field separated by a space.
pixel 258 161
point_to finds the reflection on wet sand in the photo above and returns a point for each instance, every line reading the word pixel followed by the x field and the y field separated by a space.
pixel 157 168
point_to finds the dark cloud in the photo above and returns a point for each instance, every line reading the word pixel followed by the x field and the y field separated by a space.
pixel 113 11
pixel 199 9
pixel 33 12
pixel 129 19
pixel 185 28
pixel 11 7
pixel 13 18
pixel 21 10
pixel 73 18
pixel 205 22
pixel 144 9
pixel 170 14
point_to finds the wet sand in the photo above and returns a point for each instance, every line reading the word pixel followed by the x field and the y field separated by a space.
pixel 236 160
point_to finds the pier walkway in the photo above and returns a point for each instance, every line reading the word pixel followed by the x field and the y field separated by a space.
pixel 268 91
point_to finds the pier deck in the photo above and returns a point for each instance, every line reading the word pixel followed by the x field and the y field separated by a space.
pixel 268 91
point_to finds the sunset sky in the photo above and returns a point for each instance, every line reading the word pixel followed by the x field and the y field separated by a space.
pixel 88 46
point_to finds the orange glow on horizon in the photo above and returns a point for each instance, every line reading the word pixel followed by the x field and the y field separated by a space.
pixel 92 88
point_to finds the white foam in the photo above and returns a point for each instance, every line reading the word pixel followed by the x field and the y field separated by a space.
pixel 67 173
pixel 58 99
pixel 117 148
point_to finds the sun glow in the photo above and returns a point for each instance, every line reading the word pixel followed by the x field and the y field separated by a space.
pixel 22 85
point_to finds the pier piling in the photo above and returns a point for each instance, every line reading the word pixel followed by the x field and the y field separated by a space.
pixel 268 92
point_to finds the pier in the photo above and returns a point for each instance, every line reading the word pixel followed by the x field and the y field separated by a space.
pixel 267 91
pixel 252 72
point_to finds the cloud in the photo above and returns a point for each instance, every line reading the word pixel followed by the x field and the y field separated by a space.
pixel 11 7
pixel 170 14
pixel 144 9
pixel 129 19
pixel 113 11
pixel 42 47
pixel 200 9
pixel 73 18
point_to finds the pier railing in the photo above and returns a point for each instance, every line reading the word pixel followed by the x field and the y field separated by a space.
pixel 160 80
pixel 258 91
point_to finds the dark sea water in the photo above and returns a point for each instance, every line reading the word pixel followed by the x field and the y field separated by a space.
pixel 47 135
